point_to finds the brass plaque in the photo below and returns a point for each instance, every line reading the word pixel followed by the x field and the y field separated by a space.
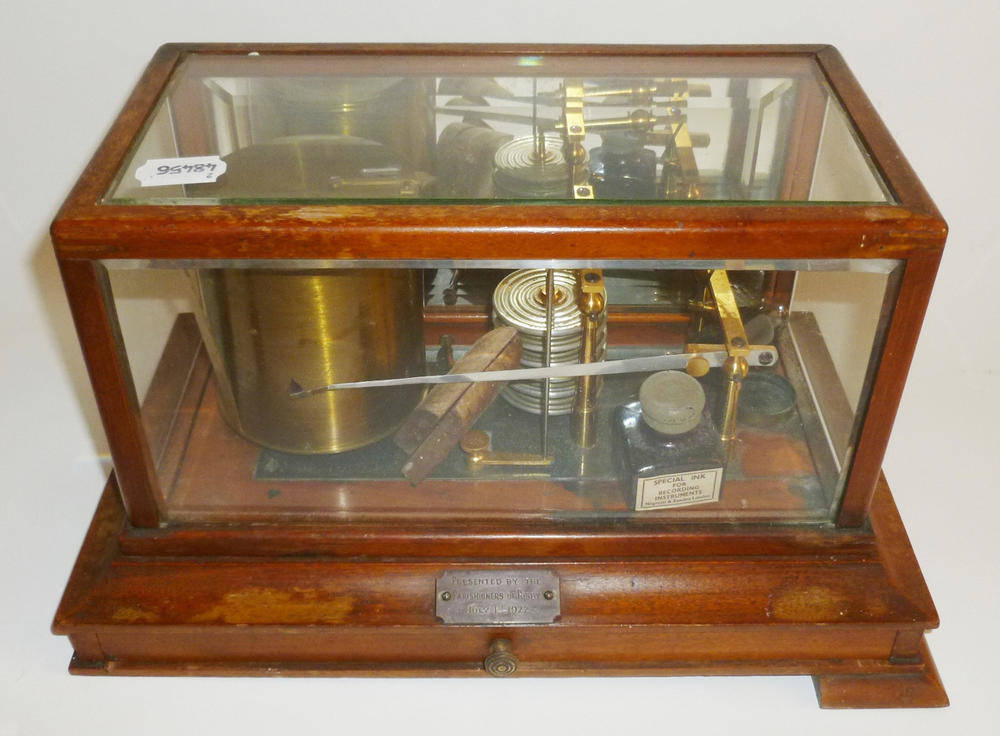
pixel 497 597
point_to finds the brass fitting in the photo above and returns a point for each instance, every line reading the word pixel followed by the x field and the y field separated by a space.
pixel 476 446
pixel 735 369
pixel 592 302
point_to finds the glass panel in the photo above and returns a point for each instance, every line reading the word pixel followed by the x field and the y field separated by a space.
pixel 843 171
pixel 393 128
pixel 708 393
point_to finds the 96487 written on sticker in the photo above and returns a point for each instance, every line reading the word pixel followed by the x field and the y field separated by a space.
pixel 678 489
pixel 161 172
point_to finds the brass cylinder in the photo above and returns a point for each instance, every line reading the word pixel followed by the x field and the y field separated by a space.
pixel 592 302
pixel 396 112
pixel 264 328
pixel 585 404
pixel 735 369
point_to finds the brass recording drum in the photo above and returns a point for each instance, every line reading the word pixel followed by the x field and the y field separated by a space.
pixel 396 112
pixel 264 328
pixel 315 167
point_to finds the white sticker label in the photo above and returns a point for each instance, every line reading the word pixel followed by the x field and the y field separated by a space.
pixel 161 172
pixel 678 489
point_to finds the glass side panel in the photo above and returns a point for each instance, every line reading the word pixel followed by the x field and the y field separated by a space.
pixel 327 128
pixel 674 393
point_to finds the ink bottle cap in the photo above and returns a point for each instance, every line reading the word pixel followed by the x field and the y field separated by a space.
pixel 672 402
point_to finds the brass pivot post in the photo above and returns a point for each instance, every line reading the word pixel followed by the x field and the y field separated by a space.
pixel 735 370
pixel 736 366
pixel 576 131
pixel 592 301
pixel 680 170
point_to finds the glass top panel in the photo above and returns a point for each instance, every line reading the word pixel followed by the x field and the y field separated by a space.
pixel 272 128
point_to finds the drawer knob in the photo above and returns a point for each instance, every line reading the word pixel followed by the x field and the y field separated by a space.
pixel 501 661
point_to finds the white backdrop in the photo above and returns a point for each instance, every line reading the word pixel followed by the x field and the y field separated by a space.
pixel 930 69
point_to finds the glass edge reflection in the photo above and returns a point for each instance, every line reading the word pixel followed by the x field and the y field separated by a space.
pixel 865 265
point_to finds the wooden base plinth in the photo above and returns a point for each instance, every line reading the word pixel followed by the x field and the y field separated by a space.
pixel 847 607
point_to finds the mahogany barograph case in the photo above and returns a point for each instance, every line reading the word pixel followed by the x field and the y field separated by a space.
pixel 505 360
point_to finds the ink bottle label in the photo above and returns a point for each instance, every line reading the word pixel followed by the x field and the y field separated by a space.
pixel 673 490
pixel 669 469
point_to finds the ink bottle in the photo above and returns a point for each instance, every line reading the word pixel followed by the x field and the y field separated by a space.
pixel 622 168
pixel 670 452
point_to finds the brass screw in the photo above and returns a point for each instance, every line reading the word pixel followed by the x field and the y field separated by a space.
pixel 446 596
pixel 548 595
